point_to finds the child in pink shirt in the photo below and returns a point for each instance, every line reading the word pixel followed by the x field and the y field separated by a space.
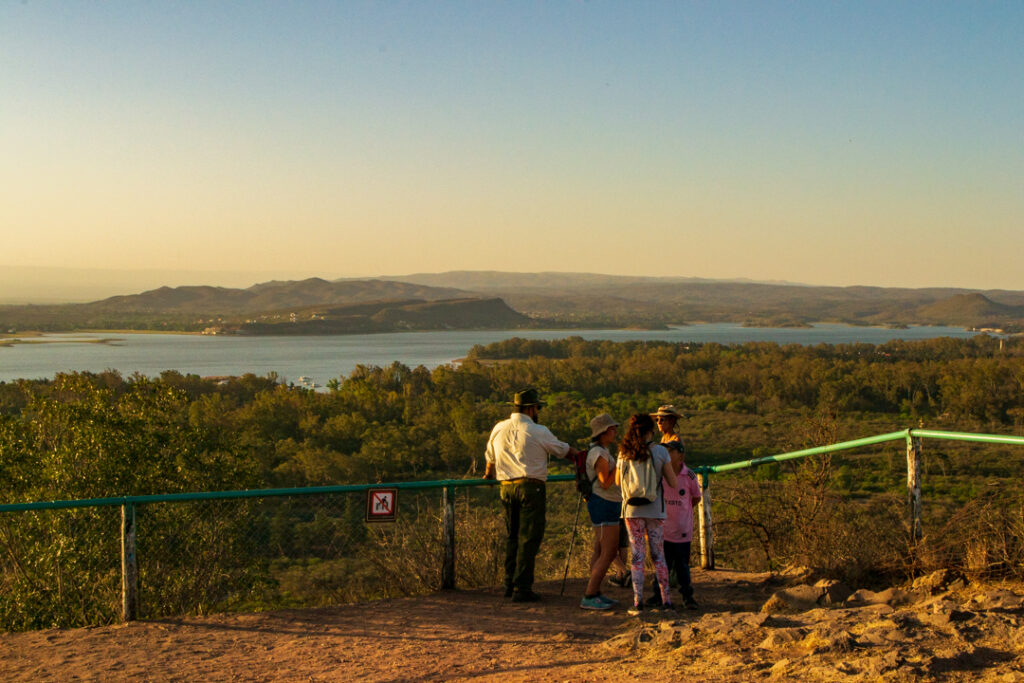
pixel 679 504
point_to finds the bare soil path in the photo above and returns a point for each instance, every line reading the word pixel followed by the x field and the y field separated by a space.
pixel 474 634
pixel 468 635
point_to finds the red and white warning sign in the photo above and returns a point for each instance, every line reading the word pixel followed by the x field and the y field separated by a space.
pixel 381 505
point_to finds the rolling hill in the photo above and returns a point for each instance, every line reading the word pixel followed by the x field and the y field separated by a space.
pixel 392 316
pixel 267 296
pixel 594 299
pixel 971 310
pixel 536 299
pixel 192 308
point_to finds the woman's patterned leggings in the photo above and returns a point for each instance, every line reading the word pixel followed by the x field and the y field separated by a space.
pixel 637 527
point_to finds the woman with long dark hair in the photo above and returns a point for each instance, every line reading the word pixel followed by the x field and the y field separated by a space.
pixel 644 521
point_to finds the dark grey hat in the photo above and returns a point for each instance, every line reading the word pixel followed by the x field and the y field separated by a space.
pixel 528 397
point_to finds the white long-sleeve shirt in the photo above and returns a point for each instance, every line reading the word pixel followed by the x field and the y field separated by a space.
pixel 519 447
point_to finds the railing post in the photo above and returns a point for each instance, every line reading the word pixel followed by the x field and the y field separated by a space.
pixel 914 483
pixel 448 539
pixel 707 544
pixel 129 566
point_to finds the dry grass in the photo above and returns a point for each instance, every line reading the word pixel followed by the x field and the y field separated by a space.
pixel 984 539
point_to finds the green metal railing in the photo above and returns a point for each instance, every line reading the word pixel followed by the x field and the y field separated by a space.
pixel 128 504
pixel 866 441
pixel 911 436
pixel 794 455
pixel 251 493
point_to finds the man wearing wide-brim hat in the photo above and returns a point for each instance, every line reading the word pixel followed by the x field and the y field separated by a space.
pixel 517 456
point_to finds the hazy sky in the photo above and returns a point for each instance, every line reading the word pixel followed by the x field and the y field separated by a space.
pixel 822 142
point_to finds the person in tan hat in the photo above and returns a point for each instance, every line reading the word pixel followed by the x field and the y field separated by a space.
pixel 604 505
pixel 517 456
pixel 667 417
pixel 679 507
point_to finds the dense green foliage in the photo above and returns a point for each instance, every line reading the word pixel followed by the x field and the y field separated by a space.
pixel 91 435
pixel 969 382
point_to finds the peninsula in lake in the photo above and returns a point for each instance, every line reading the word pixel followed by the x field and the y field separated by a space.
pixel 500 300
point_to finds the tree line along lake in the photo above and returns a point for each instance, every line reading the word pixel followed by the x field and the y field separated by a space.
pixel 318 359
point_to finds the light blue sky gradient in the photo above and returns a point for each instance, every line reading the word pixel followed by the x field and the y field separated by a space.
pixel 831 143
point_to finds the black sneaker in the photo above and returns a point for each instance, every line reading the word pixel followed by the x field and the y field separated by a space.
pixel 635 611
pixel 653 601
pixel 690 603
pixel 622 581
pixel 525 596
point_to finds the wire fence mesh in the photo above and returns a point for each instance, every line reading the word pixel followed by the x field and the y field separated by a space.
pixel 845 513
pixel 831 512
pixel 60 568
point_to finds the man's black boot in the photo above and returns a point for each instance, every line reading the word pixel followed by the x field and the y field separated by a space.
pixel 525 596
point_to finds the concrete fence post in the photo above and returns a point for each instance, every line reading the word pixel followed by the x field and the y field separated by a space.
pixel 129 565
pixel 707 544
pixel 448 538
pixel 914 484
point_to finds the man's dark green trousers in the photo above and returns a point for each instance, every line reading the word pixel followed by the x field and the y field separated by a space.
pixel 525 502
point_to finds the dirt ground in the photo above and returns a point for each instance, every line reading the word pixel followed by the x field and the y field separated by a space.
pixel 477 634
pixel 474 634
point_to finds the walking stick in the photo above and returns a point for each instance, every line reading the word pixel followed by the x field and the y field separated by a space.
pixel 572 542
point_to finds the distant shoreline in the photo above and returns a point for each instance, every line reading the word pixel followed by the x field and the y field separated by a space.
pixel 41 340
pixel 40 335
pixel 96 331
pixel 323 358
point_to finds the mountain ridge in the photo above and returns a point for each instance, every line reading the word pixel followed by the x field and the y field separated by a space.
pixel 545 299
pixel 274 294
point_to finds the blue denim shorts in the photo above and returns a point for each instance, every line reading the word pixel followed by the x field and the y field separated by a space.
pixel 603 512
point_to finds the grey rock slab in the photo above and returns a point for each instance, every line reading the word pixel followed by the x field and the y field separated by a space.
pixel 823 639
pixel 782 637
pixel 793 599
pixel 781 668
pixel 832 591
pixel 937 582
pixel 998 599
pixel 799 575
pixel 890 596
pixel 882 663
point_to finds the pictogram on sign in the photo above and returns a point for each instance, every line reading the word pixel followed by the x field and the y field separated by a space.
pixel 381 505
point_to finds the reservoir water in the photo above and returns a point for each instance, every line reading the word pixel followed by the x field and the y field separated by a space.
pixel 322 358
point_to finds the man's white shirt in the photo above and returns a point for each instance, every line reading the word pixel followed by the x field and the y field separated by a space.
pixel 519 447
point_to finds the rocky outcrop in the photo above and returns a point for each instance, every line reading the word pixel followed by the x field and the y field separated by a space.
pixel 936 628
pixel 800 598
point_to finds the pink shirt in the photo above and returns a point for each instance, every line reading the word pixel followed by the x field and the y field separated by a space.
pixel 679 507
